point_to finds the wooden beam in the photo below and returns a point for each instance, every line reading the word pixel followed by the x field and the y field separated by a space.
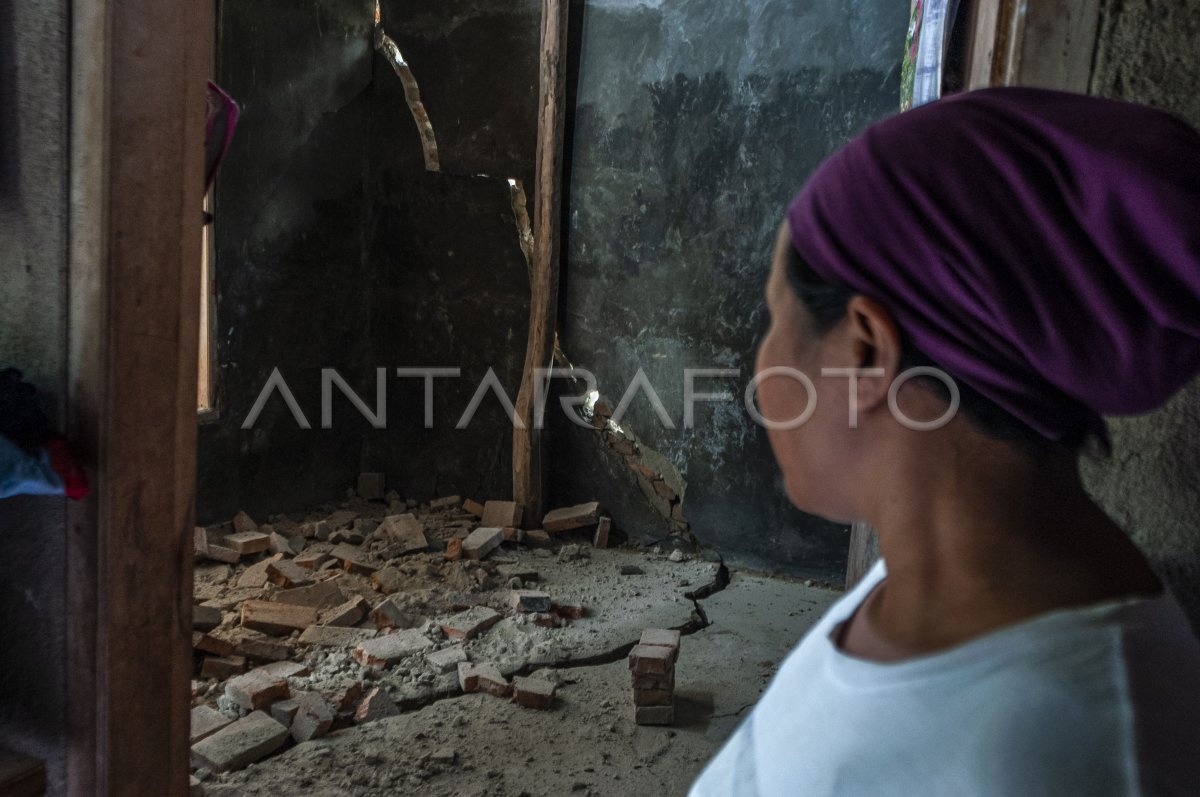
pixel 1033 43
pixel 138 87
pixel 528 473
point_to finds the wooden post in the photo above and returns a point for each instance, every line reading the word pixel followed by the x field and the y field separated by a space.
pixel 138 77
pixel 527 441
pixel 1032 43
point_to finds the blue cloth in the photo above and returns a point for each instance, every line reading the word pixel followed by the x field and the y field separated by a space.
pixel 26 474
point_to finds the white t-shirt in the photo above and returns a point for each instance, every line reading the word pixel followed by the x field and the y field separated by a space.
pixel 1098 700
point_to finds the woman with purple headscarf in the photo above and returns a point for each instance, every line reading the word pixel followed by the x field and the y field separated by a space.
pixel 1035 256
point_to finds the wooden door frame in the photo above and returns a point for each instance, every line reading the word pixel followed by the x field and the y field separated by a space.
pixel 1012 43
pixel 138 72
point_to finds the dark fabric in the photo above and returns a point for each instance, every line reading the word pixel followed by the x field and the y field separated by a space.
pixel 1042 247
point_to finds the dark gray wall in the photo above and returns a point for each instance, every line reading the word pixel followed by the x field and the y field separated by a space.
pixel 34 96
pixel 695 123
pixel 290 267
pixel 1147 52
pixel 449 282
pixel 336 248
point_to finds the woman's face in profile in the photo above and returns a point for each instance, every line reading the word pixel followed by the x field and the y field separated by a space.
pixel 811 440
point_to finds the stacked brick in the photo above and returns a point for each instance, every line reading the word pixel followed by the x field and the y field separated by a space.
pixel 652 667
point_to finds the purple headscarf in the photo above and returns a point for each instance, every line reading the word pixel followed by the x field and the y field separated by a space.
pixel 1042 247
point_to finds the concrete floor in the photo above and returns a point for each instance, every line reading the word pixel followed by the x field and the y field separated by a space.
pixel 476 745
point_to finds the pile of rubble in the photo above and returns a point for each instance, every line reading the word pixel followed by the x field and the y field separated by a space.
pixel 308 624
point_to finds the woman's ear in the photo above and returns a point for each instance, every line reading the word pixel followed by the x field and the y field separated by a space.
pixel 875 343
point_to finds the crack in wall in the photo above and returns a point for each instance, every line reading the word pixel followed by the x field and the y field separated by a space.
pixel 664 487
pixel 520 208
pixel 412 93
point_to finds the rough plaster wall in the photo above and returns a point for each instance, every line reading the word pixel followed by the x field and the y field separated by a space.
pixel 449 283
pixel 33 259
pixel 1148 52
pixel 695 123
pixel 290 271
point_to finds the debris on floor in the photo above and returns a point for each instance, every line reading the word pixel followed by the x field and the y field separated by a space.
pixel 314 623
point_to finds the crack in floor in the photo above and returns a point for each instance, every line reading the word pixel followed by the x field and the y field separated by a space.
pixel 698 623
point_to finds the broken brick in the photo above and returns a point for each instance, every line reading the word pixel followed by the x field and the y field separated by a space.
pixel 446 659
pixel 653 697
pixel 375 706
pixel 537 538
pixel 346 614
pixel 248 542
pixel 322 595
pixel 545 620
pixel 277 618
pixel 661 637
pixel 214 645
pixel 345 698
pixel 499 514
pixel 205 618
pixel 283 669
pixel 341 519
pixel 527 600
pixel 570 611
pixel 533 693
pixel 314 717
pixel 370 486
pixel 311 560
pixel 474 507
pixel 469 624
pixel 353 560
pixel 222 667
pixel 261 648
pixel 240 744
pixel 205 721
pixel 387 580
pixel 651 659
pixel 405 533
pixel 256 690
pixel 454 550
pixel 571 517
pixel 389 614
pixel 244 524
pixel 449 502
pixel 513 534
pixel 386 650
pixel 334 636
pixel 284 711
pixel 603 528
pixel 664 490
pixel 255 576
pixel 481 542
pixel 216 550
pixel 642 470
pixel 286 573
pixel 649 680
pixel 280 544
pixel 483 678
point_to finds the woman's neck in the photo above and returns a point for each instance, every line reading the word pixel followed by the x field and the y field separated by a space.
pixel 982 537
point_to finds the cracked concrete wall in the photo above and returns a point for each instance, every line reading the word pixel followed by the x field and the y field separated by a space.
pixel 290 266
pixel 449 282
pixel 1147 52
pixel 695 123
pixel 34 98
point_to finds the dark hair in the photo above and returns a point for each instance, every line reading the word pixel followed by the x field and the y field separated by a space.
pixel 826 304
